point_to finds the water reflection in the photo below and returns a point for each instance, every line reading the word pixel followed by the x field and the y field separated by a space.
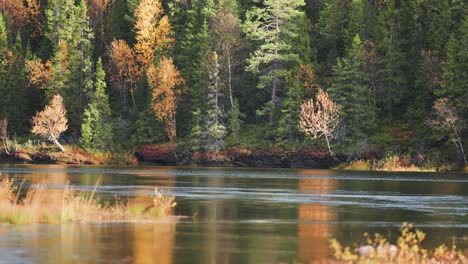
pixel 314 227
pixel 242 215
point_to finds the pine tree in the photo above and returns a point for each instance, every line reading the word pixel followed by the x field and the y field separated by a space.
pixel 271 27
pixel 96 127
pixel 350 88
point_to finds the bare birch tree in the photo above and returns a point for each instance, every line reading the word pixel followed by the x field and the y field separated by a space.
pixel 448 120
pixel 320 117
pixel 52 121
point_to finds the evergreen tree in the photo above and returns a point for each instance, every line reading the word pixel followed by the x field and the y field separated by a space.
pixel 288 129
pixel 191 50
pixel 215 130
pixel 455 71
pixel 69 31
pixel 272 29
pixel 235 121
pixel 333 21
pixel 96 128
pixel 4 93
pixel 350 89
pixel 392 61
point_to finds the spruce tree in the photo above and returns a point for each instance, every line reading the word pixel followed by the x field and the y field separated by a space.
pixel 96 128
pixel 455 71
pixel 235 122
pixel 350 88
pixel 215 130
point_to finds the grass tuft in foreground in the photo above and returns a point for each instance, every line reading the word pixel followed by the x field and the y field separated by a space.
pixel 40 205
pixel 408 249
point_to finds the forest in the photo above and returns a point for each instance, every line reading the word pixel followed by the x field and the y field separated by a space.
pixel 367 79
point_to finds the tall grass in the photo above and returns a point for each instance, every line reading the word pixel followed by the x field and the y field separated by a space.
pixel 408 249
pixel 38 205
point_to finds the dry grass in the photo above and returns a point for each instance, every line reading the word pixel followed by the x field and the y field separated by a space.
pixel 408 249
pixel 41 205
pixel 390 163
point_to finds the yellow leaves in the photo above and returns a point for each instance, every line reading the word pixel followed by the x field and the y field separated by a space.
pixel 153 31
pixel 124 69
pixel 164 81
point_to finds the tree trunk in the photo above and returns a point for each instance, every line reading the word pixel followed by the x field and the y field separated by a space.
pixel 230 78
pixel 55 141
pixel 328 145
pixel 462 152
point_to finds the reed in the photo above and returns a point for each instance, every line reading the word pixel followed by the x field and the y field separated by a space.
pixel 68 205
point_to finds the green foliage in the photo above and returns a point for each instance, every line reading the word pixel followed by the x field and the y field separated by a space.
pixel 350 89
pixel 196 132
pixel 235 122
pixel 454 78
pixel 271 28
pixel 215 130
pixel 96 127
pixel 288 125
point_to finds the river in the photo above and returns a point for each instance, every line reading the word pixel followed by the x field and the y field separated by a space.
pixel 239 215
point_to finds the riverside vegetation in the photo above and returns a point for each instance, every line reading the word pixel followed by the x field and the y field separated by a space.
pixel 362 80
pixel 36 204
pixel 408 249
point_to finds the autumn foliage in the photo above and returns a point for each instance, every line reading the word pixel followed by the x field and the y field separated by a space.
pixel 40 74
pixel 52 121
pixel 164 81
pixel 124 69
pixel 152 31
pixel 320 117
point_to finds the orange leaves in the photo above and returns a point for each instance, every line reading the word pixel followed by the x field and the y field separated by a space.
pixel 124 69
pixel 17 13
pixel 40 74
pixel 308 79
pixel 152 31
pixel 36 16
pixel 96 7
pixel 164 80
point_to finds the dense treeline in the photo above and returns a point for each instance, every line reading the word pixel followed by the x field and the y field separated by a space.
pixel 214 73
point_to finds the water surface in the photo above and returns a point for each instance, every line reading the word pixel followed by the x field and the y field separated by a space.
pixel 239 215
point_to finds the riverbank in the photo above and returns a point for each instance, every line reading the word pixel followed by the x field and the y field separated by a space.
pixel 164 155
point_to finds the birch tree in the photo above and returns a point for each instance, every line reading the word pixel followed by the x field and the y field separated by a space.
pixel 320 117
